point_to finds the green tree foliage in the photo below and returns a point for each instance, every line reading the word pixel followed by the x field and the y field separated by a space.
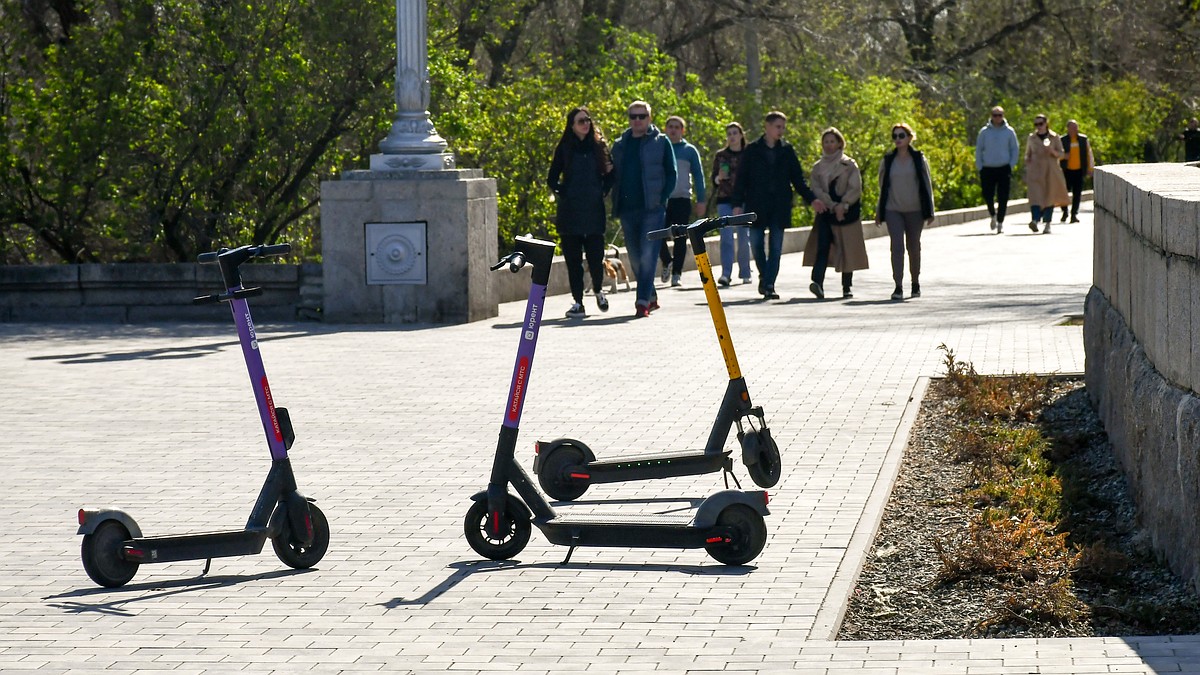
pixel 153 131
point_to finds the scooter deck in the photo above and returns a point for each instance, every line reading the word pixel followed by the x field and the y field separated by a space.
pixel 624 531
pixel 195 546
pixel 657 465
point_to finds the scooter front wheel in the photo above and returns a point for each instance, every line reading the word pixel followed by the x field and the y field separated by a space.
pixel 554 477
pixel 760 454
pixel 101 552
pixel 295 554
pixel 504 541
pixel 748 538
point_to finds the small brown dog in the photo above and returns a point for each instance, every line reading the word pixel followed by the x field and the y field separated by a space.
pixel 614 269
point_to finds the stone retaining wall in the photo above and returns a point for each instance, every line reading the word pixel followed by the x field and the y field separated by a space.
pixel 141 292
pixel 1142 342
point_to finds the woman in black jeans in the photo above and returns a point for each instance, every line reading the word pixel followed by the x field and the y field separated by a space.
pixel 581 175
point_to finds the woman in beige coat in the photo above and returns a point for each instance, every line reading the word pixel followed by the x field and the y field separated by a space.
pixel 1043 176
pixel 837 236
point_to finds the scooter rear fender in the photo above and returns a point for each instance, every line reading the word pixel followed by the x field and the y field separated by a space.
pixel 544 448
pixel 92 518
pixel 706 515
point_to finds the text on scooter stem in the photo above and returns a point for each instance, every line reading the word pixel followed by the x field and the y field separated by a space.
pixel 518 391
pixel 271 409
pixel 250 327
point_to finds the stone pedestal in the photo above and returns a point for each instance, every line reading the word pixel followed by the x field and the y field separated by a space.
pixel 458 208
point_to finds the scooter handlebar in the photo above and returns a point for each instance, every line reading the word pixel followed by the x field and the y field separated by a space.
pixel 260 251
pixel 704 224
pixel 515 262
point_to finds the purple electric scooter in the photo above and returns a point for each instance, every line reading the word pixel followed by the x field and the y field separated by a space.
pixel 729 525
pixel 113 546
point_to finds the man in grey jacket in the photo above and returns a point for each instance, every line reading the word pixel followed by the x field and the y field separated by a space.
pixel 996 153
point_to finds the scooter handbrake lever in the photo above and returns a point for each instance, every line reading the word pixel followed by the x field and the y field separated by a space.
pixel 207 299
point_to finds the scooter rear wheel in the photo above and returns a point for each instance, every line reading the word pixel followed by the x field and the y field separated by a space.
pixel 749 535
pixel 553 476
pixel 767 465
pixel 298 556
pixel 511 538
pixel 101 552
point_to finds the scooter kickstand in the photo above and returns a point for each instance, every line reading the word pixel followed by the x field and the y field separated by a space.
pixel 728 473
pixel 207 565
pixel 571 550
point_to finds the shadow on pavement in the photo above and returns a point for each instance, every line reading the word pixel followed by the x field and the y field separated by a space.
pixel 463 570
pixel 161 354
pixel 161 589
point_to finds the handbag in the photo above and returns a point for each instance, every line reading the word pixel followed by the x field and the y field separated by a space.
pixel 853 213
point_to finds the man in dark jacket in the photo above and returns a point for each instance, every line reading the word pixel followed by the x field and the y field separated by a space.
pixel 645 173
pixel 769 172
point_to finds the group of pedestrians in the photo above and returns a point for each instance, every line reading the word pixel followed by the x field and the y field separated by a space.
pixel 657 179
pixel 1054 166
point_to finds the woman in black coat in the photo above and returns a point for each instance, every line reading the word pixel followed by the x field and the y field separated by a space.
pixel 580 176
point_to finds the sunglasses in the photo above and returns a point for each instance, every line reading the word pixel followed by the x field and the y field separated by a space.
pixel 997 114
pixel 583 120
pixel 639 116
pixel 1038 123
pixel 900 136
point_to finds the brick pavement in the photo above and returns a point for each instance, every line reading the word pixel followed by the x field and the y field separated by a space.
pixel 396 429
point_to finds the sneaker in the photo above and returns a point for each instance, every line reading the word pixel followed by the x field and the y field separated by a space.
pixel 675 281
pixel 762 288
pixel 846 293
pixel 898 294
pixel 666 274
pixel 1074 219
pixel 772 295
pixel 1033 226
pixel 746 280
pixel 992 225
pixel 916 290
pixel 1064 217
pixel 652 306
pixel 999 226
pixel 817 290
pixel 1046 229
pixel 723 282
pixel 577 311
pixel 640 310
pixel 601 301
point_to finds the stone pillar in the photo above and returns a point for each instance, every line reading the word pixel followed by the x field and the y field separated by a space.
pixel 458 209
pixel 411 239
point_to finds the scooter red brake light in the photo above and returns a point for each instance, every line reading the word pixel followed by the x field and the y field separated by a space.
pixel 82 516
pixel 766 498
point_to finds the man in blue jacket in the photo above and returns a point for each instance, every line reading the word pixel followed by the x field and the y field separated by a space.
pixel 996 154
pixel 645 175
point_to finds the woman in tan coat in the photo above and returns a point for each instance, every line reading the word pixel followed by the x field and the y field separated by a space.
pixel 837 236
pixel 1043 176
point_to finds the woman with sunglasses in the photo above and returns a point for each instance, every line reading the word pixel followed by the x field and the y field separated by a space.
pixel 1043 175
pixel 580 176
pixel 905 204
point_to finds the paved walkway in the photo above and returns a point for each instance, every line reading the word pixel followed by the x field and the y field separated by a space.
pixel 396 429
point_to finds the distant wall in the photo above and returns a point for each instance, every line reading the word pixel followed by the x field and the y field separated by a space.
pixel 136 292
pixel 1142 343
